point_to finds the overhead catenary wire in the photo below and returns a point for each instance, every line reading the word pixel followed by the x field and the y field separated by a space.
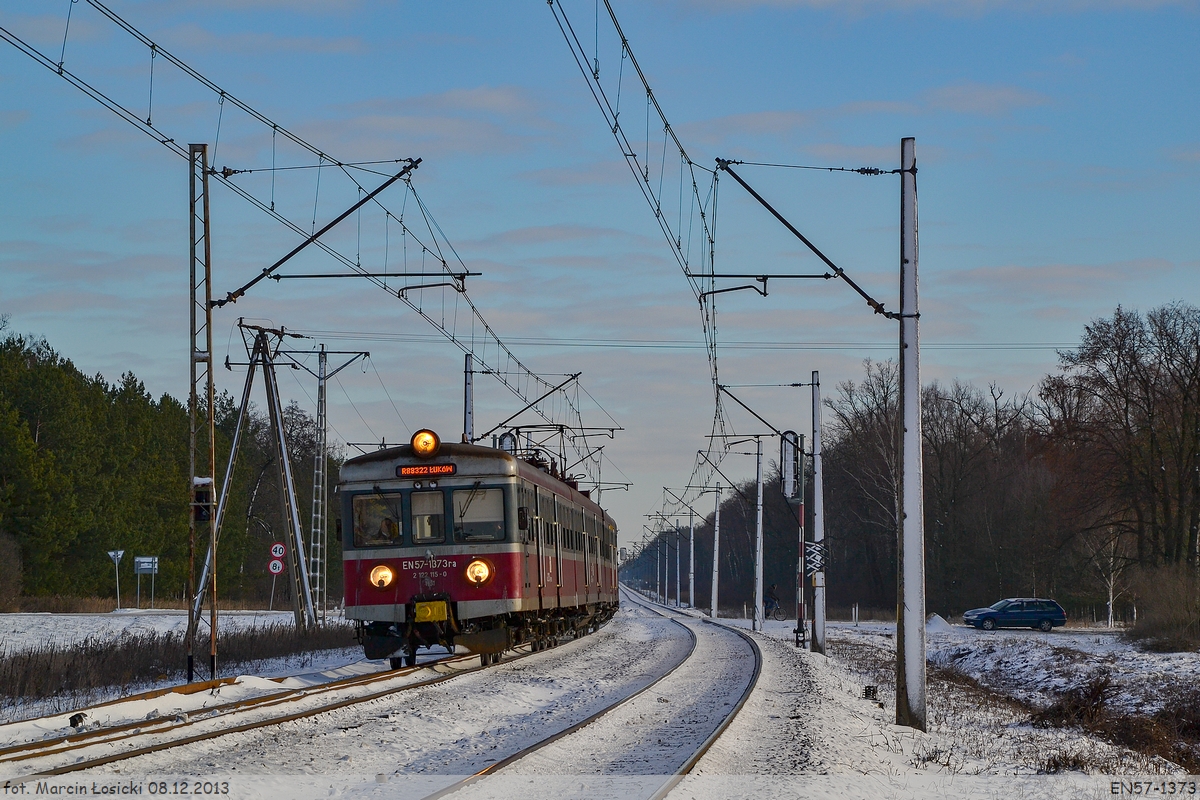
pixel 517 377
pixel 703 207
pixel 819 168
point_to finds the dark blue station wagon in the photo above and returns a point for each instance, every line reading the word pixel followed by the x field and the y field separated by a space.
pixel 1018 612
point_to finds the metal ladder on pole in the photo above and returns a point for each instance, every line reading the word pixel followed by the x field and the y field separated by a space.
pixel 319 532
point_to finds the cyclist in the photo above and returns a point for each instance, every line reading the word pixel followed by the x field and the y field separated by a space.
pixel 770 601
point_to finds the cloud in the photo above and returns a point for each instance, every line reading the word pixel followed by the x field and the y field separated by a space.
pixel 1188 154
pixel 597 173
pixel 542 234
pixel 1028 285
pixel 477 120
pixel 987 99
pixel 716 131
pixel 194 36
pixel 503 101
pixel 11 119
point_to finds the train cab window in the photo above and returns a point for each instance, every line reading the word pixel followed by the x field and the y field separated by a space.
pixel 377 520
pixel 478 515
pixel 428 517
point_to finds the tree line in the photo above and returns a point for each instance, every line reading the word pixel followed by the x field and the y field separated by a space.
pixel 1078 489
pixel 87 466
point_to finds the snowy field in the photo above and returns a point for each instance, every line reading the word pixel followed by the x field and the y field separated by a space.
pixel 28 631
pixel 806 731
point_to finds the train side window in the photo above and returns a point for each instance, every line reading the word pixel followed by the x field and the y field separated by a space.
pixel 478 515
pixel 377 520
pixel 428 517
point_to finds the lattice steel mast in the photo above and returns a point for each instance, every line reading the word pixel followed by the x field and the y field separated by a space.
pixel 202 500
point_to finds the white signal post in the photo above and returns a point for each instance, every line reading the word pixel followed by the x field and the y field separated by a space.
pixel 275 567
pixel 115 555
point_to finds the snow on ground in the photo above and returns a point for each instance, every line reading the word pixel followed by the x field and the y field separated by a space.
pixel 806 730
pixel 29 631
pixel 1036 667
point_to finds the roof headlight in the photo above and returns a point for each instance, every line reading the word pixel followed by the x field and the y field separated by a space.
pixel 382 576
pixel 479 572
pixel 425 443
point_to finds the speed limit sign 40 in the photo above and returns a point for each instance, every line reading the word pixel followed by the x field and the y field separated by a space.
pixel 276 566
pixel 278 550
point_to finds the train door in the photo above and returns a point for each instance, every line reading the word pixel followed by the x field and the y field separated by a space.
pixel 588 584
pixel 541 534
pixel 556 528
pixel 528 538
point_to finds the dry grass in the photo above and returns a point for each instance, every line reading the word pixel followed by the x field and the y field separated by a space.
pixel 132 660
pixel 846 614
pixel 979 730
pixel 1172 733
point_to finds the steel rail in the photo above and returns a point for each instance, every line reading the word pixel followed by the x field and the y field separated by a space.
pixel 48 748
pixel 533 748
pixel 276 698
pixel 700 752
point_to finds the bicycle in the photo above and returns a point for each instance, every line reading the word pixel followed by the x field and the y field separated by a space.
pixel 774 611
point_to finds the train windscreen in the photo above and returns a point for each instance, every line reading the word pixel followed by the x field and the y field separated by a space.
pixel 429 517
pixel 478 515
pixel 377 520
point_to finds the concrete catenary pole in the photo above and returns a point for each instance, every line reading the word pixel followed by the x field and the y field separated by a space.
pixel 758 543
pixel 692 560
pixel 677 575
pixel 818 641
pixel 910 615
pixel 658 559
pixel 716 553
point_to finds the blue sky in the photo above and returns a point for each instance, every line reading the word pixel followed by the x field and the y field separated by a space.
pixel 1058 146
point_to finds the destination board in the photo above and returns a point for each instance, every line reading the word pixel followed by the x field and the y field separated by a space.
pixel 425 470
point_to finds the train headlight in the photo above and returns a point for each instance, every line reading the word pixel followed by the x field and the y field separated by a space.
pixel 479 572
pixel 382 576
pixel 425 443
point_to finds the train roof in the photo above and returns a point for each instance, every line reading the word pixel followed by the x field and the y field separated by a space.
pixel 509 464
pixel 447 449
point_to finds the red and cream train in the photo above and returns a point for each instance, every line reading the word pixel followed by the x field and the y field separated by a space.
pixel 448 544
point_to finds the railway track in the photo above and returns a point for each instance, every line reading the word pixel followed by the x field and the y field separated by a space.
pixel 91 749
pixel 141 737
pixel 524 761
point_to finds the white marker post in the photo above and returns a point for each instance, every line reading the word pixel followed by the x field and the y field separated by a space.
pixel 275 567
pixel 115 555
